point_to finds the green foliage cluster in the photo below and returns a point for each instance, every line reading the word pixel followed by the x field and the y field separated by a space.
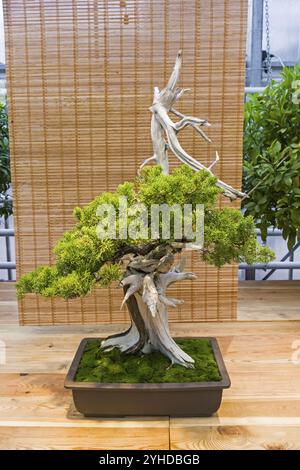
pixel 183 186
pixel 49 282
pixel 108 273
pixel 5 201
pixel 229 236
pixel 114 367
pixel 272 156
pixel 84 261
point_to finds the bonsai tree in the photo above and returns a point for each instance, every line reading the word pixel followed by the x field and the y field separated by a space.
pixel 272 156
pixel 105 245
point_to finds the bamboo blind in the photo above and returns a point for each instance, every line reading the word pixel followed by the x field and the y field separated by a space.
pixel 80 80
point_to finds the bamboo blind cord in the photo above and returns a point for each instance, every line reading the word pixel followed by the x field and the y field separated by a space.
pixel 80 80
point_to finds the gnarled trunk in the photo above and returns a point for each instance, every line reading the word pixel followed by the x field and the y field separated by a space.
pixel 135 337
pixel 147 304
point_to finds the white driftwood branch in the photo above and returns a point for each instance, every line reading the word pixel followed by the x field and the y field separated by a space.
pixel 148 160
pixel 214 162
pixel 164 131
pixel 194 122
pixel 174 276
pixel 135 282
pixel 175 74
pixel 150 295
pixel 189 121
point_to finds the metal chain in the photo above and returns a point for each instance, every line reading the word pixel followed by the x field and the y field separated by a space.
pixel 268 46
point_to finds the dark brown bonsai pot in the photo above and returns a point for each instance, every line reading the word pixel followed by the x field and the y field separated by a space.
pixel 147 399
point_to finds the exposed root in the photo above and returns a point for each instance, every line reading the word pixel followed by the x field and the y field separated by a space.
pixel 124 341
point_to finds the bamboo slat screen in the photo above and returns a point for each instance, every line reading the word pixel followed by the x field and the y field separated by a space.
pixel 80 80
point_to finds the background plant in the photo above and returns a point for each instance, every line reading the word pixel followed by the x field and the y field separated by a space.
pixel 272 156
pixel 5 200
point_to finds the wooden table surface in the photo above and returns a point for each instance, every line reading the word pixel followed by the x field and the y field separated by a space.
pixel 261 410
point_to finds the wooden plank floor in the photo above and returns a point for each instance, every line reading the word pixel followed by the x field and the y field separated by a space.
pixel 269 300
pixel 261 410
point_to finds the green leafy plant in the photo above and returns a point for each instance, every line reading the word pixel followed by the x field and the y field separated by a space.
pixel 84 261
pixel 5 201
pixel 272 156
pixel 143 265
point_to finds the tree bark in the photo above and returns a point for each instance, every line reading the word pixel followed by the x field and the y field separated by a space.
pixel 135 337
pixel 145 286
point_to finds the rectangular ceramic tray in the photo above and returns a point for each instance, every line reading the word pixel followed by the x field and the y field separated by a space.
pixel 143 399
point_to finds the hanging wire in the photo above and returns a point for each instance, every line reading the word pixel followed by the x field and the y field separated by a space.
pixel 268 46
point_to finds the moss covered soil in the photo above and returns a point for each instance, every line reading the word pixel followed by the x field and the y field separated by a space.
pixel 114 367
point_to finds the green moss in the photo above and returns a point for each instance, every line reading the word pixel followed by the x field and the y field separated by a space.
pixel 115 367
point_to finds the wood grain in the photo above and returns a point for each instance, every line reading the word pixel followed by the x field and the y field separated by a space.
pixel 274 436
pixel 76 438
pixel 33 403
pixel 261 410
pixel 270 300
